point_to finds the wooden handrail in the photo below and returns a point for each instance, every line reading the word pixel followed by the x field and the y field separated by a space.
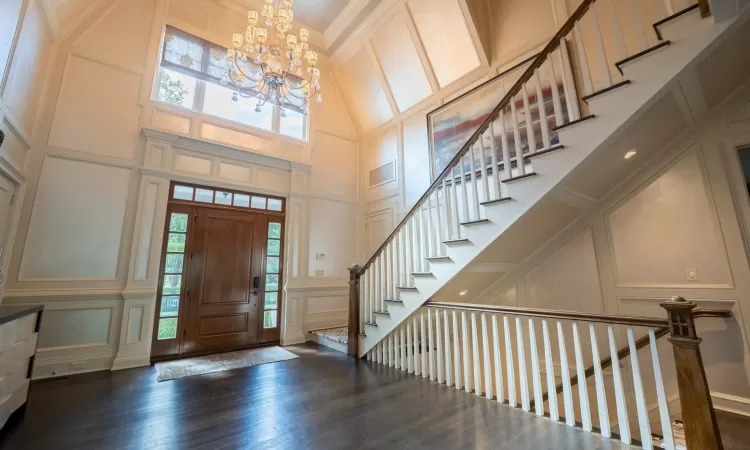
pixel 551 46
pixel 556 314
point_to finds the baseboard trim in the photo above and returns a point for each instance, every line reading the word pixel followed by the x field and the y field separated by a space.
pixel 55 368
pixel 131 362
pixel 731 403
pixel 338 346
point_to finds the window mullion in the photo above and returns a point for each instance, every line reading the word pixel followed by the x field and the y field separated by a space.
pixel 200 96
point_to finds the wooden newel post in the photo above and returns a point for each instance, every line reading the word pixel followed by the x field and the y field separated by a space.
pixel 701 428
pixel 353 343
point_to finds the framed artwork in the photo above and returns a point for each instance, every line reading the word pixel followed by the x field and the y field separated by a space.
pixel 451 125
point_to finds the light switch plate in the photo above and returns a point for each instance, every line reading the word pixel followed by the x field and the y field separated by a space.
pixel 320 273
pixel 692 274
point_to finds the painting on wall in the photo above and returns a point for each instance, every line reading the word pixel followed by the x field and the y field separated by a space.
pixel 451 125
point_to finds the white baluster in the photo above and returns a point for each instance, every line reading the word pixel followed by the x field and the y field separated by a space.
pixel 417 238
pixel 415 347
pixel 448 374
pixel 601 394
pixel 384 352
pixel 433 235
pixel 365 286
pixel 640 33
pixel 661 395
pixel 475 354
pixel 601 53
pixel 424 342
pixel 425 242
pixel 556 103
pixel 565 372
pixel 386 278
pixel 550 369
pixel 391 350
pixel 536 377
pixel 622 409
pixel 483 168
pixel 522 375
pixel 369 356
pixel 464 190
pixel 431 345
pixel 571 100
pixel 456 216
pixel 517 138
pixel 486 359
pixel 498 363
pixel 407 352
pixel 622 50
pixel 402 348
pixel 506 150
pixel 443 221
pixel 474 184
pixel 669 7
pixel 530 138
pixel 542 110
pixel 456 352
pixel 439 339
pixel 640 397
pixel 376 351
pixel 509 369
pixel 466 355
pixel 495 166
pixel 585 69
pixel 583 393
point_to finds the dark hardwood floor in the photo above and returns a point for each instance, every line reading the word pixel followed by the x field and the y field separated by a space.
pixel 320 401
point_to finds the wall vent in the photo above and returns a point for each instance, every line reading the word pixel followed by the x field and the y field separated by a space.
pixel 383 174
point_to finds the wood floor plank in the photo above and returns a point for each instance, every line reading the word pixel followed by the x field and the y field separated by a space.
pixel 323 400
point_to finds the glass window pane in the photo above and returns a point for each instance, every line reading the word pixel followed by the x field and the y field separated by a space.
pixel 274 230
pixel 241 200
pixel 223 198
pixel 176 242
pixel 172 284
pixel 219 102
pixel 293 125
pixel 274 247
pixel 274 204
pixel 176 88
pixel 167 329
pixel 183 193
pixel 272 300
pixel 173 263
pixel 272 264
pixel 272 283
pixel 269 319
pixel 204 195
pixel 170 306
pixel 178 222
pixel 258 202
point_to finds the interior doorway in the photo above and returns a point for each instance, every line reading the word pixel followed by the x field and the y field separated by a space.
pixel 220 273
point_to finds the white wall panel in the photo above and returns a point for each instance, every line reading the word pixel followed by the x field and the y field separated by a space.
pixel 520 26
pixel 148 216
pixel 236 173
pixel 380 151
pixel 334 167
pixel 191 164
pixel 364 91
pixel 400 62
pixel 669 227
pixel 10 12
pixel 416 159
pixel 77 222
pixel 331 116
pixel 333 233
pixel 446 38
pixel 163 120
pixel 97 110
pixel 121 36
pixel 74 328
pixel 235 138
pixel 29 66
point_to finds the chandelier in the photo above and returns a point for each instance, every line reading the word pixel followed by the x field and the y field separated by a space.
pixel 272 70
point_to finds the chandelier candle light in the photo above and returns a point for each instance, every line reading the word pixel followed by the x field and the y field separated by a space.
pixel 272 71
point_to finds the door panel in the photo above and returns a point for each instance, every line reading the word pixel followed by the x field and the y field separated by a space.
pixel 7 189
pixel 226 256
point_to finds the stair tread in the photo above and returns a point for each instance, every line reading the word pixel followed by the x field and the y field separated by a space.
pixel 372 324
pixel 662 44
pixel 438 258
pixel 544 151
pixel 407 287
pixel 392 300
pixel 421 274
pixel 490 202
pixel 672 17
pixel 574 122
pixel 586 98
pixel 519 177
pixel 457 241
pixel 382 313
pixel 475 222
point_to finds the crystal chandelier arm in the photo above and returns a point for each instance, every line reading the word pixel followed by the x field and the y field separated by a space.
pixel 244 73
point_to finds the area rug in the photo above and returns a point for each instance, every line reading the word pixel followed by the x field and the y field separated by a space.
pixel 340 334
pixel 172 370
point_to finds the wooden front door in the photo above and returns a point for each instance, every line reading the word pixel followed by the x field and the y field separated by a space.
pixel 224 280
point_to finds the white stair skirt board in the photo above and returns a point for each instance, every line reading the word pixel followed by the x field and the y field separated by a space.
pixel 689 37
pixel 335 338
pixel 172 370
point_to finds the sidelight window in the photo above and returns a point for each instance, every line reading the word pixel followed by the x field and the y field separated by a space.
pixel 174 262
pixel 273 270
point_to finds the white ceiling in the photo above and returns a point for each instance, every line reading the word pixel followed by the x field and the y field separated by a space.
pixel 316 14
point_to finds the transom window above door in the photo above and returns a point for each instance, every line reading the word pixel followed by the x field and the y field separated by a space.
pixel 223 197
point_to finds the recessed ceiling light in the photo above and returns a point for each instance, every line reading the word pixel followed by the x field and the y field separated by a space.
pixel 462 293
pixel 630 154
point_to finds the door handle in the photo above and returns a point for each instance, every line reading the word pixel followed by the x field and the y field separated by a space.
pixel 256 285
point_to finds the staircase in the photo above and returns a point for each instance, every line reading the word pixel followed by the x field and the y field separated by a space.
pixel 498 185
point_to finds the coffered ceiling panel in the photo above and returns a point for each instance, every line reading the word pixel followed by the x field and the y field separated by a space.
pixel 400 62
pixel 317 14
pixel 445 35
pixel 364 92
